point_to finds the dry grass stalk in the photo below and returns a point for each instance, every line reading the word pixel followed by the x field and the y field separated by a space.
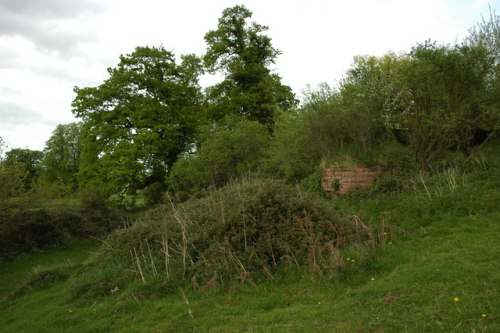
pixel 195 284
pixel 381 233
pixel 272 251
pixel 102 241
pixel 335 257
pixel 136 299
pixel 210 283
pixel 222 210
pixel 292 257
pixel 268 272
pixel 153 265
pixel 367 230
pixel 190 312
pixel 182 224
pixel 245 234
pixel 422 180
pixel 451 178
pixel 165 250
pixel 300 192
pixel 138 263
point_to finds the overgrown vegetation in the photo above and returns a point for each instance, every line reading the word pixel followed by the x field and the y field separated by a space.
pixel 218 192
pixel 436 270
pixel 48 224
pixel 244 231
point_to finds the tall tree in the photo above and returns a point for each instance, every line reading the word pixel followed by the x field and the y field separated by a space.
pixel 442 104
pixel 365 91
pixel 11 180
pixel 140 119
pixel 26 163
pixel 243 53
pixel 486 33
pixel 62 155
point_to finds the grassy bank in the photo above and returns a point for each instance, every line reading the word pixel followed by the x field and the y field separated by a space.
pixel 414 286
pixel 436 271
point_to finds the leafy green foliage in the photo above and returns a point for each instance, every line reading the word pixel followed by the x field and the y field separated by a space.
pixel 292 154
pixel 24 228
pixel 365 90
pixel 419 242
pixel 486 33
pixel 61 160
pixel 228 150
pixel 11 182
pixel 243 54
pixel 447 250
pixel 241 231
pixel 445 86
pixel 328 129
pixel 140 119
pixel 25 163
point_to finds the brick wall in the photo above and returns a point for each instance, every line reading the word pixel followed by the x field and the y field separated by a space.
pixel 342 180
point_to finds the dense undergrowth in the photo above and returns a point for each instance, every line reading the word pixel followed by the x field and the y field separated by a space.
pixel 243 231
pixel 28 224
pixel 209 205
pixel 249 229
pixel 434 266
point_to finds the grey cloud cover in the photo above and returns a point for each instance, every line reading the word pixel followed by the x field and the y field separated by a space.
pixel 49 46
pixel 48 8
pixel 40 22
pixel 14 113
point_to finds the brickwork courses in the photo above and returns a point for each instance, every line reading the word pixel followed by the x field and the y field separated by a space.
pixel 342 180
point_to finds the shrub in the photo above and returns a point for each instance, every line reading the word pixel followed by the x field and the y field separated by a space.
pixel 154 193
pixel 94 197
pixel 242 231
pixel 25 229
pixel 232 149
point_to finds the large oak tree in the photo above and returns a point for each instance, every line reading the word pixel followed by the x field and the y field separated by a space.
pixel 140 119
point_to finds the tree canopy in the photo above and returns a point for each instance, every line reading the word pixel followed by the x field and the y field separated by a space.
pixel 25 163
pixel 140 119
pixel 243 53
pixel 443 89
pixel 61 160
pixel 151 126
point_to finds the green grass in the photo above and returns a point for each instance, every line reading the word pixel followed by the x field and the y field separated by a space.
pixel 414 284
pixel 440 248
pixel 15 272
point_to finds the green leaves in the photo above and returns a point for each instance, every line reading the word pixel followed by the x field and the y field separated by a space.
pixel 141 118
pixel 446 86
pixel 229 149
pixel 23 163
pixel 62 152
pixel 242 53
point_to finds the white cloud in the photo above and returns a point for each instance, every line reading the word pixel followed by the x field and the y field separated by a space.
pixel 49 46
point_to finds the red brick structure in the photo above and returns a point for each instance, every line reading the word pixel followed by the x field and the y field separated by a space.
pixel 342 180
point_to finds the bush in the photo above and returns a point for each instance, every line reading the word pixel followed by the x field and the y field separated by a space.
pixel 242 231
pixel 25 229
pixel 94 197
pixel 154 193
pixel 312 183
pixel 231 150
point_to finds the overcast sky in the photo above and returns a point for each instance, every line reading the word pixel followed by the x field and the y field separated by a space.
pixel 49 46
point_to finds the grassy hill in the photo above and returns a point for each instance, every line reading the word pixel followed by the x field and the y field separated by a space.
pixel 436 270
